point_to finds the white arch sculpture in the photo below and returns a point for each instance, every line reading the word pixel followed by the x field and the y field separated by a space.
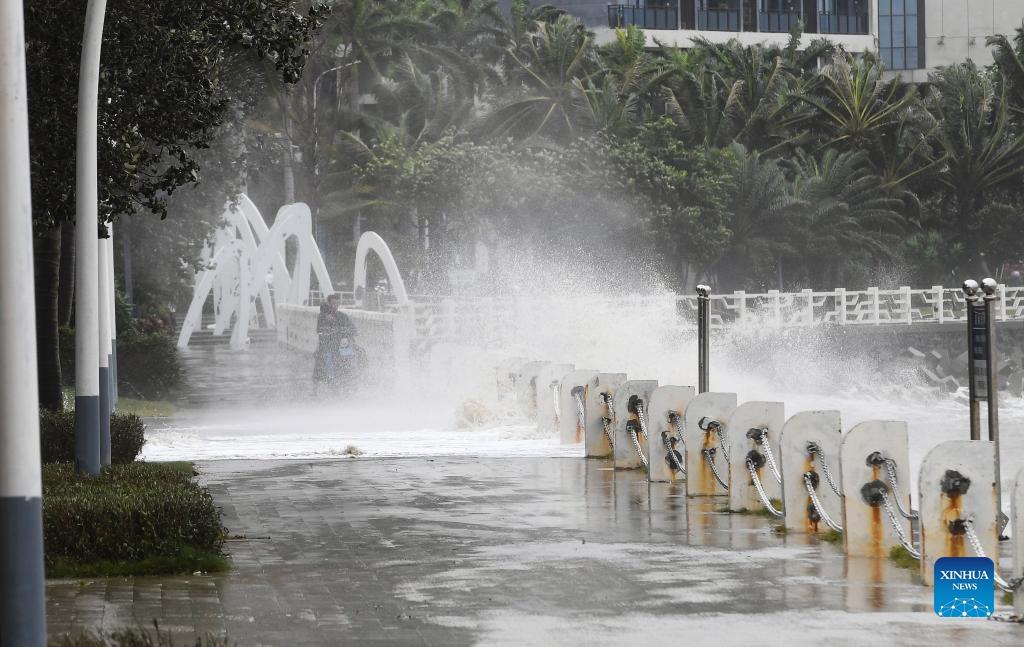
pixel 372 242
pixel 243 252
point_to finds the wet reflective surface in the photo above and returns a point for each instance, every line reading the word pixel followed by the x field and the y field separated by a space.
pixel 454 550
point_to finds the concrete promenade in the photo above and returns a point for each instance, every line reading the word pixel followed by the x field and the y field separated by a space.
pixel 460 551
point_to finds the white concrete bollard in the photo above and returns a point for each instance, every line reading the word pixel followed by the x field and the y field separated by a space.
pixel 705 412
pixel 599 414
pixel 1018 539
pixel 865 451
pixel 505 375
pixel 810 445
pixel 665 414
pixel 574 389
pixel 548 396
pixel 741 434
pixel 626 418
pixel 957 482
pixel 526 387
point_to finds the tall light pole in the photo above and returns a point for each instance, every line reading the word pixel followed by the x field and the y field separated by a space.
pixel 22 602
pixel 87 295
pixel 103 342
pixel 113 316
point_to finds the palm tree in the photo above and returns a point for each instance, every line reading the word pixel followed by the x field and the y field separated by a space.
pixel 849 215
pixel 855 105
pixel 982 153
pixel 550 71
pixel 1009 60
pixel 761 212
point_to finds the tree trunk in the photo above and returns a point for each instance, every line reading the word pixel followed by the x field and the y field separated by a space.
pixel 66 282
pixel 47 276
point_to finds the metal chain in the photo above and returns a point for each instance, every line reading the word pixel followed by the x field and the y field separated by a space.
pixel 606 421
pixel 972 537
pixel 890 468
pixel 581 409
pixel 817 504
pixel 916 554
pixel 722 443
pixel 709 457
pixel 673 421
pixel 760 491
pixel 813 448
pixel 554 392
pixel 764 442
pixel 636 445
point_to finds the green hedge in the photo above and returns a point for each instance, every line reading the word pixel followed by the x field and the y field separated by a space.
pixel 57 436
pixel 147 363
pixel 128 513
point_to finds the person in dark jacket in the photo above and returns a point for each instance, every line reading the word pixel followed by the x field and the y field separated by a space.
pixel 331 327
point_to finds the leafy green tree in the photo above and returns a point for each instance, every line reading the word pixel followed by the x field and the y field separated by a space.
pixel 170 73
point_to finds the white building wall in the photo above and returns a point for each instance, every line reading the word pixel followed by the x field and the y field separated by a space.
pixel 955 30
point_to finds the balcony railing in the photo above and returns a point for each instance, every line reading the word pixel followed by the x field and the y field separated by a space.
pixel 718 20
pixel 778 21
pixel 649 17
pixel 841 23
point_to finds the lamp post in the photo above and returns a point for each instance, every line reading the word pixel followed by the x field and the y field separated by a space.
pixel 22 602
pixel 975 349
pixel 989 287
pixel 703 336
pixel 87 294
pixel 315 161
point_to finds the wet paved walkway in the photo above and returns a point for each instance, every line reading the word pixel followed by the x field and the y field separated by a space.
pixel 458 551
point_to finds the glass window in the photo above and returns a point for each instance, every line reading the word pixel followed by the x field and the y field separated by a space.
pixel 911 31
pixel 886 54
pixel 898 41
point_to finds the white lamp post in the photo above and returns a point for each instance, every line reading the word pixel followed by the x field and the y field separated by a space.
pixel 87 293
pixel 22 602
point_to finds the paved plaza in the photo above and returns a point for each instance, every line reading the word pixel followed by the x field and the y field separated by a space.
pixel 460 551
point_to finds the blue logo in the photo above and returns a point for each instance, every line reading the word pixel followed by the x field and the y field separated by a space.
pixel 964 587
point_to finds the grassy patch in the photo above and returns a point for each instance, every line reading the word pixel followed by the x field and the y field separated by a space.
pixel 141 408
pixel 146 408
pixel 187 561
pixel 138 637
pixel 902 558
pixel 1007 598
pixel 779 529
pixel 133 519
pixel 832 536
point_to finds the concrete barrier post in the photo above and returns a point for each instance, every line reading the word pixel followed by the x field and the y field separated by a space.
pixel 631 400
pixel 505 375
pixel 810 454
pixel 870 454
pixel 601 415
pixel 548 396
pixel 526 387
pixel 957 483
pixel 753 433
pixel 665 422
pixel 705 414
pixel 573 393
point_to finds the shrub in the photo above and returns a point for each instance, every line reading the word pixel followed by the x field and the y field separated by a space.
pixel 139 638
pixel 147 365
pixel 128 513
pixel 57 436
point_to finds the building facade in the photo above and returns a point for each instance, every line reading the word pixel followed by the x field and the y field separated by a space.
pixel 912 37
